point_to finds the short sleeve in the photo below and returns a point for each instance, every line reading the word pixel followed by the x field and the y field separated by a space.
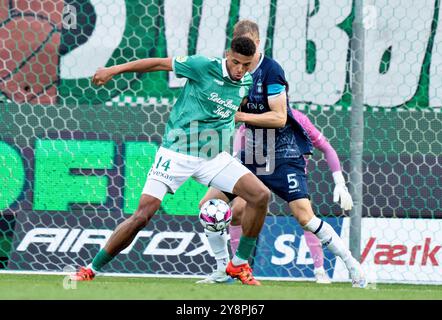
pixel 276 82
pixel 190 67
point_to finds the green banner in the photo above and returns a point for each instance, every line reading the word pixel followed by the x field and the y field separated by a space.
pixel 311 40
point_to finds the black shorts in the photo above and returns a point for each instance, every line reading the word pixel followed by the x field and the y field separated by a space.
pixel 288 179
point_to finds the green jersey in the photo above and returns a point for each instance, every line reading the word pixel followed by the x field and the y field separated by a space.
pixel 201 122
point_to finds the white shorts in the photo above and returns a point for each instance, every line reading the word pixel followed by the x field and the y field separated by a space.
pixel 173 169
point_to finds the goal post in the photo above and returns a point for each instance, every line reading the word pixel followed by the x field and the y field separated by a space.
pixel 357 127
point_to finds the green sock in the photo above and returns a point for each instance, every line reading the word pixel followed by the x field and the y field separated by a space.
pixel 245 247
pixel 101 259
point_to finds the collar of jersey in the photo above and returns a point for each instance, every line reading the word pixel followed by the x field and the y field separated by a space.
pixel 259 63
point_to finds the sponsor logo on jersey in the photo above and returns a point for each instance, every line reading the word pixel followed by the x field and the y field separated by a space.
pixel 214 96
pixel 222 112
pixel 255 106
pixel 224 108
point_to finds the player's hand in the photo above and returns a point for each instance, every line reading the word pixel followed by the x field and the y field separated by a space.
pixel 240 116
pixel 102 76
pixel 340 193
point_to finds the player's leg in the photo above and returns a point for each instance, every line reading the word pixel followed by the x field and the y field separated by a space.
pixel 218 243
pixel 303 212
pixel 169 171
pixel 238 205
pixel 312 241
pixel 126 231
pixel 234 178
pixel 235 229
pixel 256 195
pixel 218 239
pixel 315 248
pixel 289 181
pixel 317 254
pixel 213 193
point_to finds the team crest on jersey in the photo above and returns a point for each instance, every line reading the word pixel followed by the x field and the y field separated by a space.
pixel 181 59
pixel 242 91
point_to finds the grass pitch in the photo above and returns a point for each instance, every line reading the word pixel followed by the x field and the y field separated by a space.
pixel 50 287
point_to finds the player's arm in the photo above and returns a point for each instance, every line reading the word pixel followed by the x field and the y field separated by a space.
pixel 340 192
pixel 320 142
pixel 275 118
pixel 103 75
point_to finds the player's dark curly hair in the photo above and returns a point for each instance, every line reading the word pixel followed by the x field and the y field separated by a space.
pixel 243 45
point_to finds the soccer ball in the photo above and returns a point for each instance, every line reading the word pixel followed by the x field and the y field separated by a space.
pixel 215 215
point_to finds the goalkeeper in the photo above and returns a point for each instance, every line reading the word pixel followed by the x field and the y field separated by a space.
pixel 284 169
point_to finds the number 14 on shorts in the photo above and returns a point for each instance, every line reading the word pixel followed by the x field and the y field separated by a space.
pixel 165 164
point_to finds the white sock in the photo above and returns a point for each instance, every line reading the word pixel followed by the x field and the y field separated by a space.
pixel 238 261
pixel 221 264
pixel 92 268
pixel 218 244
pixel 320 269
pixel 330 239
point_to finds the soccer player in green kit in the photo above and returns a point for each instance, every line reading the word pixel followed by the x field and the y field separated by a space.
pixel 206 106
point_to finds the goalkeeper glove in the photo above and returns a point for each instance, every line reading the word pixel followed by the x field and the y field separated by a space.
pixel 341 191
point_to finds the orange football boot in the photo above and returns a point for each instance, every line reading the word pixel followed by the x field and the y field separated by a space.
pixel 84 274
pixel 242 272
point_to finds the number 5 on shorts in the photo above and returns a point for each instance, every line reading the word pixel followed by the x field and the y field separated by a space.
pixel 165 164
pixel 293 182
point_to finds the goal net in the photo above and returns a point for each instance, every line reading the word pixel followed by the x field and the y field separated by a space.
pixel 74 157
